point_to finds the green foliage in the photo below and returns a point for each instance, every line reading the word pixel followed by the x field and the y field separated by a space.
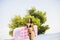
pixel 11 32
pixel 42 17
pixel 16 22
pixel 35 21
pixel 43 29
pixel 38 18
pixel 38 14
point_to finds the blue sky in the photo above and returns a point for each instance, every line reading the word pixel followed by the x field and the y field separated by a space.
pixel 10 8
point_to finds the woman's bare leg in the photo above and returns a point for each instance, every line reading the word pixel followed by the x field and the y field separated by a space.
pixel 30 36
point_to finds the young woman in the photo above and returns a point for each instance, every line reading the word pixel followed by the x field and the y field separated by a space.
pixel 31 32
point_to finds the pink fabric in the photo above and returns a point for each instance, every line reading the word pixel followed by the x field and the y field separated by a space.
pixel 22 33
